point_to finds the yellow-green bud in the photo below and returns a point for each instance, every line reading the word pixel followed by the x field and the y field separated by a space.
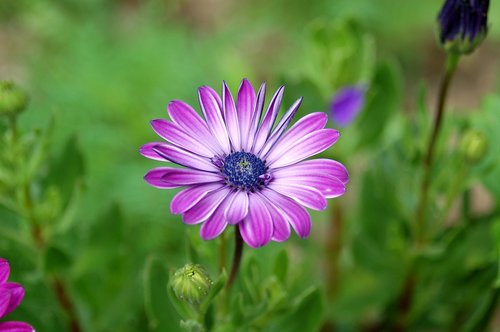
pixel 474 146
pixel 191 283
pixel 13 100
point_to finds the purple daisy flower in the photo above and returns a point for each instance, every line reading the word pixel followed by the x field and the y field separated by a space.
pixel 347 103
pixel 11 294
pixel 241 168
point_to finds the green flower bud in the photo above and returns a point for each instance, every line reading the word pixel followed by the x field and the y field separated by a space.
pixel 191 283
pixel 13 100
pixel 474 146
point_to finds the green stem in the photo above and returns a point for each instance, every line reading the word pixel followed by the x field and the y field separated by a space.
pixel 421 221
pixel 238 252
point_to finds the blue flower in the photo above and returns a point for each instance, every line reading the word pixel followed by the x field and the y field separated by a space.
pixel 347 103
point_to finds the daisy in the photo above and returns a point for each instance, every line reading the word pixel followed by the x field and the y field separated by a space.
pixel 243 167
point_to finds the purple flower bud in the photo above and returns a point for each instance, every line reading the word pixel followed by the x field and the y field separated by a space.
pixel 463 24
pixel 347 103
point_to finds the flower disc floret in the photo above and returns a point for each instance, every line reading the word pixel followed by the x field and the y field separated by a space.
pixel 242 170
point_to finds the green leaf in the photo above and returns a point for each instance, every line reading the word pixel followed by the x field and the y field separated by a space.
pixel 281 266
pixel 383 100
pixel 214 291
pixel 160 313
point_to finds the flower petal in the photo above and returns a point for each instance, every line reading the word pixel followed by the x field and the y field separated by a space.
pixel 184 158
pixel 4 301
pixel 16 295
pixel 4 270
pixel 308 124
pixel 216 224
pixel 167 177
pixel 189 197
pixel 281 226
pixel 280 127
pixel 211 106
pixel 269 119
pixel 295 213
pixel 314 166
pixel 231 116
pixel 16 327
pixel 307 196
pixel 346 104
pixel 309 145
pixel 237 208
pixel 205 207
pixel 186 118
pixel 257 228
pixel 147 151
pixel 254 124
pixel 245 106
pixel 174 134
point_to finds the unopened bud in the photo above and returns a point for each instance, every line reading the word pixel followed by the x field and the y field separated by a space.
pixel 474 146
pixel 191 283
pixel 13 100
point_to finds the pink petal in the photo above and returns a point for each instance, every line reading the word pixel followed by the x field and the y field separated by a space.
pixel 147 151
pixel 245 106
pixel 330 186
pixel 269 119
pixel 307 146
pixel 189 197
pixel 16 327
pixel 183 157
pixel 211 106
pixel 315 166
pixel 167 177
pixel 186 118
pixel 295 214
pixel 5 296
pixel 257 228
pixel 174 134
pixel 281 227
pixel 216 224
pixel 237 208
pixel 254 124
pixel 4 270
pixel 307 196
pixel 231 117
pixel 16 295
pixel 306 125
pixel 205 207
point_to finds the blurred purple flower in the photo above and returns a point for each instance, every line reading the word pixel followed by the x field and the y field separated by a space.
pixel 11 294
pixel 347 103
pixel 242 171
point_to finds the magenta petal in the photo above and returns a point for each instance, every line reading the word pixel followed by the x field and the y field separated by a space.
pixel 296 214
pixel 307 146
pixel 5 296
pixel 237 208
pixel 307 196
pixel 187 198
pixel 308 124
pixel 280 127
pixel 254 124
pixel 346 104
pixel 257 228
pixel 269 119
pixel 314 166
pixel 166 177
pixel 174 134
pixel 147 151
pixel 16 295
pixel 281 227
pixel 216 224
pixel 187 119
pixel 211 106
pixel 205 207
pixel 183 157
pixel 4 270
pixel 245 105
pixel 16 327
pixel 231 117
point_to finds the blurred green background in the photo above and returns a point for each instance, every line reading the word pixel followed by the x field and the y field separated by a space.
pixel 102 69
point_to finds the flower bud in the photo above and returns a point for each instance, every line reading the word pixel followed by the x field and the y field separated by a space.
pixel 474 146
pixel 191 283
pixel 13 100
pixel 347 103
pixel 463 25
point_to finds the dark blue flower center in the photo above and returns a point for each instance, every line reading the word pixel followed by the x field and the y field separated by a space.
pixel 242 170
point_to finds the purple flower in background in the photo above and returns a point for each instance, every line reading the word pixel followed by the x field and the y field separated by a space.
pixel 242 168
pixel 347 103
pixel 11 294
pixel 463 24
